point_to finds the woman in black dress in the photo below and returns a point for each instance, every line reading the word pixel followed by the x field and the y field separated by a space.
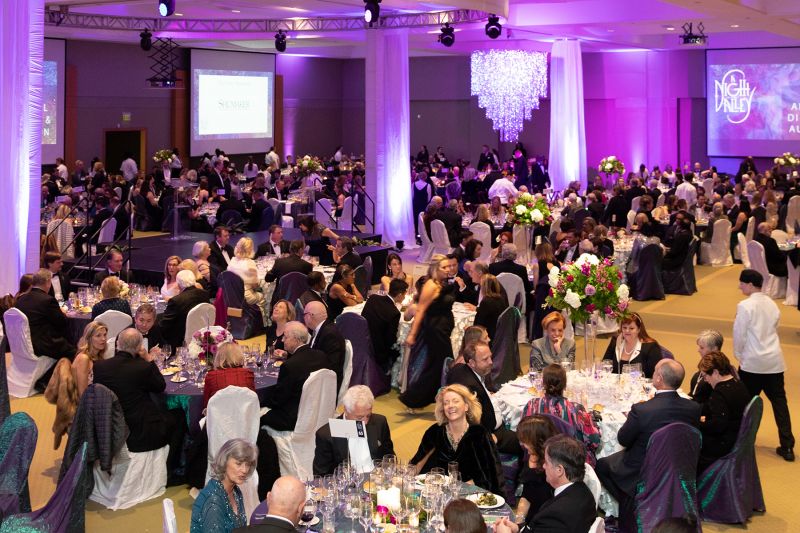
pixel 343 292
pixel 433 323
pixel 282 313
pixel 492 304
pixel 545 261
pixel 532 433
pixel 633 345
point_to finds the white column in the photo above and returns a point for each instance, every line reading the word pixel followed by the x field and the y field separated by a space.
pixel 387 134
pixel 21 56
pixel 567 161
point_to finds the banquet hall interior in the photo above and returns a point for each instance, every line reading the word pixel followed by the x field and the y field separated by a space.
pixel 654 96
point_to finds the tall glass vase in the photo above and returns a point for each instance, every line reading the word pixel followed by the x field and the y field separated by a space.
pixel 589 341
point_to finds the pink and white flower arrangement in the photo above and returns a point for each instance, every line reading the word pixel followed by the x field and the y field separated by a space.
pixel 611 165
pixel 529 210
pixel 206 341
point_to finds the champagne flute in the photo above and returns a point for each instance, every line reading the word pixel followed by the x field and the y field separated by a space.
pixel 366 514
pixel 352 510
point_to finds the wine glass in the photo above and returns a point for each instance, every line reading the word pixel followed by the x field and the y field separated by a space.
pixel 166 349
pixel 352 509
pixel 309 510
pixel 366 513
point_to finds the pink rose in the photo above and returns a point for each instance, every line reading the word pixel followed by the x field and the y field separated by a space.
pixel 586 268
pixel 619 275
pixel 610 286
pixel 570 278
pixel 622 306
pixel 590 290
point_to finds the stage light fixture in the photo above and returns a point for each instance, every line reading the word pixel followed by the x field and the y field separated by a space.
pixel 372 11
pixel 448 35
pixel 280 41
pixel 694 39
pixel 493 28
pixel 146 40
pixel 166 7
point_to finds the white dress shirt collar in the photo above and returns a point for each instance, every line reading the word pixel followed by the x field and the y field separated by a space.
pixel 562 488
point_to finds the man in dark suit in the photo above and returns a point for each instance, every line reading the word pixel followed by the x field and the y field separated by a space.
pixel 60 285
pixel 261 213
pixel 145 322
pixel 293 262
pixel 619 473
pixel 114 262
pixel 331 451
pixel 316 290
pixel 679 247
pixel 285 503
pixel 343 253
pixel 133 375
pixel 776 261
pixel 279 191
pixel 221 251
pixel 572 508
pixel 47 323
pixel 595 206
pixel 173 323
pixel 102 213
pixel 473 374
pixel 121 214
pixel 634 191
pixel 215 179
pixel 276 245
pixel 537 178
pixel 383 317
pixel 452 222
pixel 326 338
pixel 283 398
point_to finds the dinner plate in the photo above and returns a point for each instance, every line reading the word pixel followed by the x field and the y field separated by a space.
pixel 474 499
pixel 314 521
pixel 169 371
pixel 178 379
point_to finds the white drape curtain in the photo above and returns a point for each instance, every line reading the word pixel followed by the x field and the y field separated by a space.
pixel 567 133
pixel 388 134
pixel 21 56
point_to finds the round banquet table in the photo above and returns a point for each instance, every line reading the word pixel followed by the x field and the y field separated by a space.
pixel 344 524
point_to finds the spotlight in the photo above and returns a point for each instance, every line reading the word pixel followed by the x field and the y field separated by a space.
pixel 493 27
pixel 448 35
pixel 166 7
pixel 691 38
pixel 146 41
pixel 280 41
pixel 371 11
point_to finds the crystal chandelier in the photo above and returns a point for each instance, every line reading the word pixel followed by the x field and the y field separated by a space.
pixel 509 84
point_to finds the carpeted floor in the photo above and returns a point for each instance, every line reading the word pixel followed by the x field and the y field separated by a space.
pixel 674 322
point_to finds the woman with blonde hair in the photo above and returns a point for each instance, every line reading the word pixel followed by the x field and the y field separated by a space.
pixel 458 436
pixel 242 265
pixel 229 369
pixel 171 268
pixel 554 347
pixel 111 289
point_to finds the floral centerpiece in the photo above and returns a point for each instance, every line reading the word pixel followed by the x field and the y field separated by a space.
pixel 788 159
pixel 163 156
pixel 611 165
pixel 124 289
pixel 206 341
pixel 529 210
pixel 308 164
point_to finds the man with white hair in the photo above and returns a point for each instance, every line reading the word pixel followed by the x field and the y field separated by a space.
pixel 173 324
pixel 508 264
pixel 326 338
pixel 285 503
pixel 331 451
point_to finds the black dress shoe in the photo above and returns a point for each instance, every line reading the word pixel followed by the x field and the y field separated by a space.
pixel 786 453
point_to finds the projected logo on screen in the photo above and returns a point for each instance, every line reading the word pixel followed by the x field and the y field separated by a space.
pixel 733 95
pixel 232 104
pixel 50 103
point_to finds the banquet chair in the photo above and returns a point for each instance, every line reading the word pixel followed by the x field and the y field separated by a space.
pixel 729 490
pixel 792 284
pixel 115 321
pixel 743 249
pixel 682 280
pixel 453 190
pixel 323 212
pixel 774 286
pixel 780 236
pixel 750 229
pixel 561 425
pixel 362 281
pixel 199 317
pixel 426 250
pixel 665 353
pixel 317 404
pixel 25 367
pixel 64 234
pixel 793 212
pixel 646 283
pixel 233 413
pixel 347 371
pixel 661 200
pixel 718 252
pixel 439 238
pixel 446 366
pixel 592 482
pixel 290 287
pixel 245 319
pixel 111 348
pixel 667 486
pixel 106 235
pixel 555 227
pixel 634 206
pixel 369 269
pixel 708 186
pixel 365 368
pixel 505 347
pixel 169 522
pixel 515 291
pixel 64 512
pixel 482 232
pixel 18 436
pixel 345 220
pixel 631 219
pixel 276 205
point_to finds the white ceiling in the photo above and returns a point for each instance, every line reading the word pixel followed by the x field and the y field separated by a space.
pixel 601 25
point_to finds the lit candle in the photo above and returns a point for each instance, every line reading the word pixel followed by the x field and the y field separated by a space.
pixel 389 498
pixel 413 520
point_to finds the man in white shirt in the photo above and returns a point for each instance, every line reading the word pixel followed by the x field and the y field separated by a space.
pixel 503 188
pixel 128 168
pixel 61 170
pixel 687 191
pixel 285 503
pixel 60 286
pixel 275 245
pixel 757 347
pixel 271 159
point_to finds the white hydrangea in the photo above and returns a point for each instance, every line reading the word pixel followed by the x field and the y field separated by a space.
pixel 609 166
pixel 612 158
pixel 520 209
pixel 623 292
pixel 587 258
pixel 573 299
pixel 537 215
pixel 552 277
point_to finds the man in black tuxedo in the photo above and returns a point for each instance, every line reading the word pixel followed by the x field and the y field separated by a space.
pixel 383 317
pixel 619 473
pixel 491 177
pixel 47 323
pixel 145 322
pixel 215 179
pixel 221 251
pixel 102 213
pixel 679 247
pixel 261 213
pixel 452 222
pixel 326 338
pixel 537 178
pixel 595 206
pixel 343 253
pixel 114 262
pixel 173 323
pixel 776 261
pixel 473 374
pixel 507 263
pixel 279 191
pixel 316 290
pixel 572 508
pixel 293 262
pixel 133 375
pixel 283 398
pixel 276 245
pixel 285 503
pixel 60 285
pixel 332 451
pixel 485 159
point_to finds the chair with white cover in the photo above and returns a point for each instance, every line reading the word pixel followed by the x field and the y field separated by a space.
pixel 780 236
pixel 199 317
pixel 599 525
pixel 718 251
pixel 115 321
pixel 111 347
pixel 635 204
pixel 793 283
pixel 631 219
pixel 743 249
pixel 750 229
pixel 774 287
pixel 483 233
pixel 347 371
pixel 515 291
pixel 426 250
pixel 234 413
pixel 708 185
pixel 439 238
pixel 106 235
pixel 64 233
pixel 591 481
pixel 661 199
pixel 25 367
pixel 555 227
pixel 317 404
pixel 170 523
pixel 792 212
pixel 345 220
pixel 323 212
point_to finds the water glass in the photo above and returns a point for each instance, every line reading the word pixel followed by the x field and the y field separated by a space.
pixel 607 365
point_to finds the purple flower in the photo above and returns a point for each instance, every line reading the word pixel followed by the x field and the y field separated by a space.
pixel 608 310
pixel 590 290
pixel 622 306
pixel 586 269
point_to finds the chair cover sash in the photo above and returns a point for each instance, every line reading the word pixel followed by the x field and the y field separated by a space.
pixel 648 284
pixel 505 349
pixel 18 436
pixel 366 370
